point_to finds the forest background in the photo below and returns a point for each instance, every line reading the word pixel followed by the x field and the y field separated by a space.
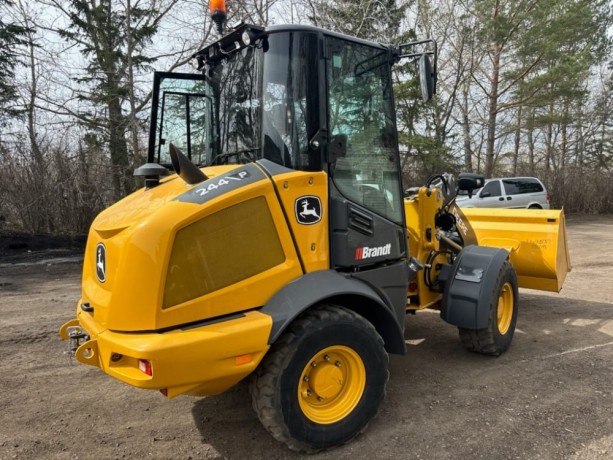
pixel 525 87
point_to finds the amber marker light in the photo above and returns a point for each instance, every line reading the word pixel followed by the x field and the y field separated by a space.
pixel 217 11
pixel 243 359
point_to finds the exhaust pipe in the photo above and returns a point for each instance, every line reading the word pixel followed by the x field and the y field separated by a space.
pixel 186 170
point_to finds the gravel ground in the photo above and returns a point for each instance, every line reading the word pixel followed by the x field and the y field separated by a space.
pixel 548 397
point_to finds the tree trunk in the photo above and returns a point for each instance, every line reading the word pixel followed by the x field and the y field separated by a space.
pixel 131 96
pixel 118 149
pixel 564 143
pixel 468 153
pixel 492 103
pixel 549 141
pixel 517 140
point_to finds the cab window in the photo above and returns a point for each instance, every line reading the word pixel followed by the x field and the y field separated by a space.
pixel 360 116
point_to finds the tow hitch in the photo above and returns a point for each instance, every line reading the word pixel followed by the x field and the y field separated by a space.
pixel 76 336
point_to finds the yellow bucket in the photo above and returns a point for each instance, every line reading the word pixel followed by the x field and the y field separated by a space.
pixel 535 239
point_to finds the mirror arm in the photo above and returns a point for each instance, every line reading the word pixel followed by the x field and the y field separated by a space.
pixel 405 54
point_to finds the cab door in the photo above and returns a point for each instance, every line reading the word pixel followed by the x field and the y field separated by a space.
pixel 182 114
pixel 366 204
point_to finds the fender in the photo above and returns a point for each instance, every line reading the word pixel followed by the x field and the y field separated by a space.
pixel 339 288
pixel 468 291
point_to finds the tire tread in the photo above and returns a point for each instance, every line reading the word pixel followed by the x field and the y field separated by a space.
pixel 263 383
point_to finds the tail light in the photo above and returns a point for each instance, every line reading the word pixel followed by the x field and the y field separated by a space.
pixel 145 367
pixel 549 196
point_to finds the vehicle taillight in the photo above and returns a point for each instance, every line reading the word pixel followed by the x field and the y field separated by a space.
pixel 145 366
pixel 549 196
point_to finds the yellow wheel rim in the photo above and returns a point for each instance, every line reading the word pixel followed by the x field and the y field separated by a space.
pixel 331 384
pixel 505 308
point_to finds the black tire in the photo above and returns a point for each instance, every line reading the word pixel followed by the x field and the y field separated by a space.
pixel 496 338
pixel 534 206
pixel 283 398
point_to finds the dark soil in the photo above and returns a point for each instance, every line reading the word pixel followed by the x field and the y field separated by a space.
pixel 22 247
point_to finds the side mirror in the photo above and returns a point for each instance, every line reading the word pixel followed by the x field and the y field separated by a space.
pixel 426 77
pixel 470 182
pixel 427 71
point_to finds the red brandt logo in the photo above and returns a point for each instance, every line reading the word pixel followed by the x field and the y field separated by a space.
pixel 365 252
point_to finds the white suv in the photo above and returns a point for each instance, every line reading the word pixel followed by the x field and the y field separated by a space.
pixel 509 192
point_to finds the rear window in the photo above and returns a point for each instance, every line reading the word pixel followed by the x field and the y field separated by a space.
pixel 520 186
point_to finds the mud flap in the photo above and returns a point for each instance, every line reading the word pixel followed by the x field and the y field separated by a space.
pixel 470 285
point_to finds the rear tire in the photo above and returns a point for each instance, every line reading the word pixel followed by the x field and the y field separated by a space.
pixel 496 338
pixel 322 381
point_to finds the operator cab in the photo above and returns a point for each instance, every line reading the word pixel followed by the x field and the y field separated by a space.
pixel 306 99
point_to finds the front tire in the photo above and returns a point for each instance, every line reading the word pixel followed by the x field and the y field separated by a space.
pixel 322 381
pixel 496 338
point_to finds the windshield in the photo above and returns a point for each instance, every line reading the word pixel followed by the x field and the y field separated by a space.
pixel 257 102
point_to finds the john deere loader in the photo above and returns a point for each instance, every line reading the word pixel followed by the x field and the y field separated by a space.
pixel 271 239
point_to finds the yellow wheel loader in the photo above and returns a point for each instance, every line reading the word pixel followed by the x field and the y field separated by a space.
pixel 272 240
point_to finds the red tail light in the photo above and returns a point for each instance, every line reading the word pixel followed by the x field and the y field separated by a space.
pixel 145 366
pixel 549 196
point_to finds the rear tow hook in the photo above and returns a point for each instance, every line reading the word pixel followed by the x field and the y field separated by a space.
pixel 77 337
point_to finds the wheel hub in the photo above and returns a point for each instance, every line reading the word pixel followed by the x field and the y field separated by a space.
pixel 326 380
pixel 331 384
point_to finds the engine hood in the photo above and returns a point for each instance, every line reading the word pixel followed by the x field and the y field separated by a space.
pixel 130 245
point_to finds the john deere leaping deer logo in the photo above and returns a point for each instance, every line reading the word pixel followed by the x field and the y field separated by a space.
pixel 101 262
pixel 308 210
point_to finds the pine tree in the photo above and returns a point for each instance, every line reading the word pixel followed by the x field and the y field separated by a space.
pixel 12 35
pixel 111 36
pixel 538 55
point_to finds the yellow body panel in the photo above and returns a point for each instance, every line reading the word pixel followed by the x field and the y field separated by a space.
pixel 535 238
pixel 203 360
pixel 420 213
pixel 138 249
pixel 150 239
pixel 312 240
